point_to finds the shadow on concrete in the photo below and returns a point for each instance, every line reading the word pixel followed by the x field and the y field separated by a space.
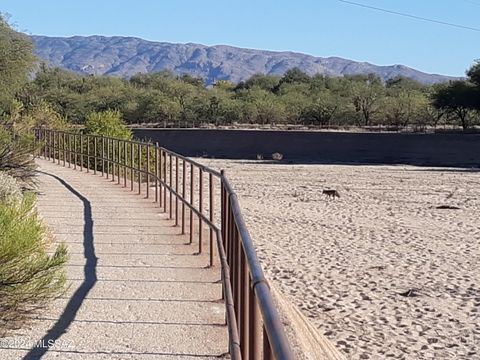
pixel 132 354
pixel 70 311
pixel 139 322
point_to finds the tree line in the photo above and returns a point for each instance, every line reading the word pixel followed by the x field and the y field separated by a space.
pixel 295 98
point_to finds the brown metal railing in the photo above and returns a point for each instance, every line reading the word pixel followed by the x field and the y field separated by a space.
pixel 180 185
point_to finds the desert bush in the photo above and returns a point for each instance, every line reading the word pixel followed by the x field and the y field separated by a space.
pixel 29 277
pixel 10 191
pixel 16 156
pixel 277 156
pixel 107 123
pixel 5 137
pixel 44 115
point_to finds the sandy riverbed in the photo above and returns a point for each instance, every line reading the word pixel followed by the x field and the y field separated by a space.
pixel 381 271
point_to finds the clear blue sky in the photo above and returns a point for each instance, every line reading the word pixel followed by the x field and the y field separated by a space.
pixel 316 27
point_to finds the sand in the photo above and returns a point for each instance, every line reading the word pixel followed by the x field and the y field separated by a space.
pixel 381 272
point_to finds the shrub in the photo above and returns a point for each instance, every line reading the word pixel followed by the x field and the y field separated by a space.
pixel 277 156
pixel 29 277
pixel 107 123
pixel 44 115
pixel 5 137
pixel 16 156
pixel 9 189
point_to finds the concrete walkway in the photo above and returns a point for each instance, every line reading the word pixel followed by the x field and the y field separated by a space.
pixel 137 291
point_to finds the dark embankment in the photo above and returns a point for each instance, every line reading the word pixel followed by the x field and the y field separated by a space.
pixel 453 150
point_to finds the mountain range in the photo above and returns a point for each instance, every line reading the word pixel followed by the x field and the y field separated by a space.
pixel 127 56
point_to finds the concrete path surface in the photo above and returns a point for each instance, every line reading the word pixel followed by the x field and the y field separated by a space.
pixel 136 289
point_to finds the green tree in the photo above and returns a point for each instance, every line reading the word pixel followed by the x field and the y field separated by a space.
pixel 107 123
pixel 294 97
pixel 154 106
pixel 403 107
pixel 366 93
pixel 264 82
pixel 459 98
pixel 16 62
pixel 474 73
pixel 474 77
pixel 320 111
pixel 403 83
pixel 295 75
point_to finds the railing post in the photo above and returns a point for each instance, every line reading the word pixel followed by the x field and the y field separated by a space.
pixel 113 160
pixel 267 349
pixel 176 190
pixel 155 155
pixel 88 153
pixel 64 149
pixel 164 181
pixel 81 152
pixel 59 148
pixel 75 152
pixel 211 218
pixel 69 150
pixel 47 145
pixel 192 184
pixel 53 148
pixel 230 240
pixel 244 290
pixel 119 153
pixel 184 184
pixel 200 208
pixel 222 218
pixel 236 272
pixel 254 327
pixel 147 148
pixel 95 155
pixel 125 163
pixel 160 176
pixel 132 164
pixel 103 156
pixel 139 168
pixel 108 158
pixel 43 149
pixel 170 167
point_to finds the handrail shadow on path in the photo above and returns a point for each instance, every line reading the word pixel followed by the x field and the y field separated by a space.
pixel 75 302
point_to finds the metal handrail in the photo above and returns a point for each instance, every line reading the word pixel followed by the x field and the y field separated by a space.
pixel 249 304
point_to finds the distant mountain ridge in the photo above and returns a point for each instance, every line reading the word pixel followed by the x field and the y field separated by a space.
pixel 127 56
